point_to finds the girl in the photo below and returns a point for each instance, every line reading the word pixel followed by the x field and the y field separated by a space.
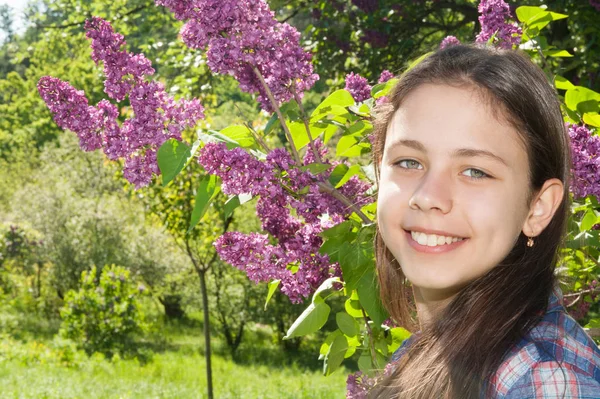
pixel 473 160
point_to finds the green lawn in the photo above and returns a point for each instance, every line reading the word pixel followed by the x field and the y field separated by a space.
pixel 30 369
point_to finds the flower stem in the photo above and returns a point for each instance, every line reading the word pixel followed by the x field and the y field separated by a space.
pixel 326 187
pixel 279 114
pixel 306 125
pixel 370 332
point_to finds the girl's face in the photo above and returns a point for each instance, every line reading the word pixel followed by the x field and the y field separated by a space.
pixel 453 188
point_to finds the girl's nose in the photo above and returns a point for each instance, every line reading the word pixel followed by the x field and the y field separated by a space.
pixel 432 192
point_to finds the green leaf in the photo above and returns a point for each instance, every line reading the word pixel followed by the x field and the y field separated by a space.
pixel 365 364
pixel 335 238
pixel 562 83
pixel 299 135
pixel 207 191
pixel 172 157
pixel 398 336
pixel 588 221
pixel 536 18
pixel 383 89
pixel 230 206
pixel 347 324
pixel 353 308
pixel 335 356
pixel 335 104
pixel 526 13
pixel 592 119
pixel 582 99
pixel 316 168
pixel 324 350
pixel 352 146
pixel 594 323
pixel 338 174
pixel 240 134
pixel 558 53
pixel 273 122
pixel 325 285
pixel 272 288
pixel 311 320
pixel 369 297
pixel 353 170
pixel 357 258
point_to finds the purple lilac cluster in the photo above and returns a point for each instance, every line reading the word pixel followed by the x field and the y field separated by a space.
pixel 294 259
pixel 385 76
pixel 156 118
pixel 492 18
pixel 449 41
pixel 585 153
pixel 358 86
pixel 595 4
pixel 242 35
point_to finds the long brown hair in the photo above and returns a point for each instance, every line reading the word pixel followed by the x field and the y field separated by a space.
pixel 466 343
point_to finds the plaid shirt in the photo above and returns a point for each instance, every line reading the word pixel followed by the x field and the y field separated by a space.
pixel 531 370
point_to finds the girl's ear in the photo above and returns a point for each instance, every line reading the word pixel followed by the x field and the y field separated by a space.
pixel 543 207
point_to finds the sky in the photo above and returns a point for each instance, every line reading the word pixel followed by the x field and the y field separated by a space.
pixel 18 6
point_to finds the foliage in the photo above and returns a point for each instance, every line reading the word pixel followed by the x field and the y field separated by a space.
pixel 104 314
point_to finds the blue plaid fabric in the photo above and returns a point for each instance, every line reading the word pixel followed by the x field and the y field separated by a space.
pixel 556 360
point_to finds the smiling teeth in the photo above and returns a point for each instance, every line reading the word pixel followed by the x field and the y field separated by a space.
pixel 432 240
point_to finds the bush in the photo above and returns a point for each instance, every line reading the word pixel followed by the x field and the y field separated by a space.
pixel 104 314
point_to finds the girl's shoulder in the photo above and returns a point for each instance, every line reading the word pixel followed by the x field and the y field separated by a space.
pixel 556 359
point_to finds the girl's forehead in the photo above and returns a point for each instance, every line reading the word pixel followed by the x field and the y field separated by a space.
pixel 447 117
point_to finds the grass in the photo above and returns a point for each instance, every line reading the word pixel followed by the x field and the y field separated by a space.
pixel 29 368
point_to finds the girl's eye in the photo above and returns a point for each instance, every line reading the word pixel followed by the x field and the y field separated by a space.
pixel 477 174
pixel 410 164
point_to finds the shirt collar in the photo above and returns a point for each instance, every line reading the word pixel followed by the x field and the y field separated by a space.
pixel 556 301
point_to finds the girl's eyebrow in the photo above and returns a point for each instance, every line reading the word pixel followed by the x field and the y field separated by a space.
pixel 458 153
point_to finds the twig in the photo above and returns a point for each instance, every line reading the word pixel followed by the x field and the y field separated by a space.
pixel 306 125
pixel 370 332
pixel 278 112
pixel 326 187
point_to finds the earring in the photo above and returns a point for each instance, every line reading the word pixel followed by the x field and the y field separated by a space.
pixel 530 242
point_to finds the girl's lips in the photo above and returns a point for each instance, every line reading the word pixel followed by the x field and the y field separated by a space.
pixel 433 250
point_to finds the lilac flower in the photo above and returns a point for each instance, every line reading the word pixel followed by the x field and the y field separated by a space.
pixel 449 41
pixel 385 76
pixel 358 385
pixel 493 14
pixel 358 87
pixel 156 118
pixel 242 35
pixel 122 69
pixel 595 4
pixel 70 110
pixel 585 153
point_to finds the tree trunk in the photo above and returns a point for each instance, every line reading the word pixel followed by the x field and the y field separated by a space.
pixel 173 308
pixel 202 275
